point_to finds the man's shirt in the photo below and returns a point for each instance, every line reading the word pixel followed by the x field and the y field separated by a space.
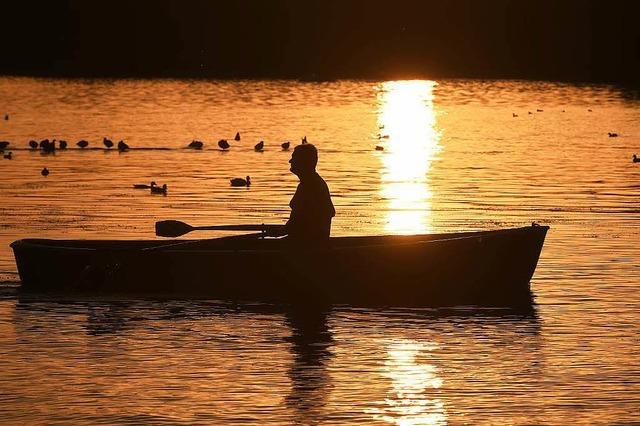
pixel 311 210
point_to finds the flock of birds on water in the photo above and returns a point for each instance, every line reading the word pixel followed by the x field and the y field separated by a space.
pixel 47 146
pixel 634 158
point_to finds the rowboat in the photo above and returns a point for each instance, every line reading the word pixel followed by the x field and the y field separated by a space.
pixel 489 268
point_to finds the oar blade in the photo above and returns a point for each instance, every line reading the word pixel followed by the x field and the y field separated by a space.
pixel 172 228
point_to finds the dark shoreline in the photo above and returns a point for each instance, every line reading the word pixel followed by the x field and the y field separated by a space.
pixel 625 84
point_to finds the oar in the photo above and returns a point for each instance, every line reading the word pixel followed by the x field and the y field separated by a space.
pixel 176 228
pixel 189 242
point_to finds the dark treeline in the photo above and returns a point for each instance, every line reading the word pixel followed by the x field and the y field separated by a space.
pixel 576 40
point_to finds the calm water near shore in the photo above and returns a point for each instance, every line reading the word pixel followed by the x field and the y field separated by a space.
pixel 455 158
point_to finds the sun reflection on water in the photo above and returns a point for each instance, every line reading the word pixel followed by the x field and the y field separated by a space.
pixel 407 124
pixel 409 401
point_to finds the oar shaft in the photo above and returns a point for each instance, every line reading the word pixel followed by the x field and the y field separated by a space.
pixel 189 242
pixel 236 227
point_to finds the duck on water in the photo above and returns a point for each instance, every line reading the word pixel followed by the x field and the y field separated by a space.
pixel 241 182
pixel 144 185
pixel 223 144
pixel 159 189
pixel 195 144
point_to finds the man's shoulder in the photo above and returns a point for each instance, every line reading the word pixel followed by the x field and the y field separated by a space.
pixel 313 185
pixel 318 180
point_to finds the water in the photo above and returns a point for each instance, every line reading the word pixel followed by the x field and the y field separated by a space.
pixel 454 158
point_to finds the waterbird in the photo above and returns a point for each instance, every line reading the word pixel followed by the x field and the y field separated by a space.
pixel 144 185
pixel 304 140
pixel 195 144
pixel 107 142
pixel 122 146
pixel 613 135
pixel 636 159
pixel 589 110
pixel 48 146
pixel 8 155
pixel 237 138
pixel 3 145
pixel 529 112
pixel 6 117
pixel 82 143
pixel 259 146
pixel 33 144
pixel 513 114
pixel 241 182
pixel 379 148
pixel 539 110
pixel 223 144
pixel 62 144
pixel 159 189
pixel 285 145
pixel 45 172
pixel 383 136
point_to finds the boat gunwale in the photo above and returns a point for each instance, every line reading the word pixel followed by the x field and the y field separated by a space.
pixel 32 242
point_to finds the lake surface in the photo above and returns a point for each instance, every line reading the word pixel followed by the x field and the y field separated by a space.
pixel 455 158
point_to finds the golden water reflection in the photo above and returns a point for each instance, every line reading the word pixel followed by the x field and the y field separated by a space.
pixel 407 124
pixel 412 399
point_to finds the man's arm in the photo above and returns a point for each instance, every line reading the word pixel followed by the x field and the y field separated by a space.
pixel 276 230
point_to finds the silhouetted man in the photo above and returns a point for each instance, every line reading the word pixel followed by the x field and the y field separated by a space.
pixel 311 206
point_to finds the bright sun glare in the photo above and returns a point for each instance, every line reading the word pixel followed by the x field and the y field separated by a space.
pixel 413 398
pixel 408 126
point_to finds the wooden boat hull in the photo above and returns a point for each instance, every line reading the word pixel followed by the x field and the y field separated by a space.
pixel 491 268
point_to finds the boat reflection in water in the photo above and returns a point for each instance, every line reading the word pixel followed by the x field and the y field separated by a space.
pixel 407 123
pixel 272 363
pixel 311 341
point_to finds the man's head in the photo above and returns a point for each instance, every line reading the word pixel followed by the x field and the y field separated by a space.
pixel 304 159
